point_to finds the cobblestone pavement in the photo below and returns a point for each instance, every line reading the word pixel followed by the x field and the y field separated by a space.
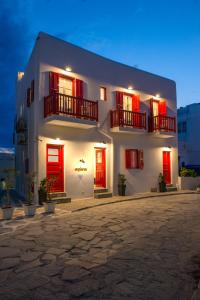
pixel 143 249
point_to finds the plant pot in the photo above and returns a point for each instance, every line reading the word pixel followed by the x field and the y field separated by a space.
pixel 29 210
pixel 42 196
pixel 121 189
pixel 162 187
pixel 49 207
pixel 7 212
pixel 198 190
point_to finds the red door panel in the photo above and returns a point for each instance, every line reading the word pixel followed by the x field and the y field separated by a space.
pixel 167 166
pixel 55 166
pixel 100 168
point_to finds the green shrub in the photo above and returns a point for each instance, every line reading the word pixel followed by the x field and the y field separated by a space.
pixel 185 172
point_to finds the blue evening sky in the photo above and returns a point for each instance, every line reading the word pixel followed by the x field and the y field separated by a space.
pixel 161 37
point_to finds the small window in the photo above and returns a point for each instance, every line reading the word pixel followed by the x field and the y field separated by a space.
pixel 103 93
pixel 131 157
pixel 134 159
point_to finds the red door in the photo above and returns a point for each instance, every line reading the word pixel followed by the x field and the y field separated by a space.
pixel 55 166
pixel 167 166
pixel 100 167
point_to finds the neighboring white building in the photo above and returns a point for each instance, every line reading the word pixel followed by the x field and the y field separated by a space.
pixel 7 164
pixel 85 119
pixel 188 135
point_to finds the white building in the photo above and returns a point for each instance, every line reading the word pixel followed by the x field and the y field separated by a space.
pixel 85 119
pixel 7 165
pixel 188 135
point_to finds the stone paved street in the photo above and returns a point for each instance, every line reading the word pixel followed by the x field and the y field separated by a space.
pixel 142 249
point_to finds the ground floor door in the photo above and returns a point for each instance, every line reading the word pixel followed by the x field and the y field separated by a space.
pixel 55 167
pixel 100 156
pixel 167 166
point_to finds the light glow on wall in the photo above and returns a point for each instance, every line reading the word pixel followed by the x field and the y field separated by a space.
pixel 100 145
pixel 168 148
pixel 130 87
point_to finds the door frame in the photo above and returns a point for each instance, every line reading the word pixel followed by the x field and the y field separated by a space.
pixel 151 106
pixel 169 164
pixel 105 166
pixel 61 147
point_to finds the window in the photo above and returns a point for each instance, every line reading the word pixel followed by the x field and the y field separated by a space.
pixel 182 127
pixel 103 93
pixel 134 159
pixel 65 86
pixel 127 102
pixel 53 155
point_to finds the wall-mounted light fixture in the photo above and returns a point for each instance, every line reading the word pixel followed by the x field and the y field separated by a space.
pixel 68 68
pixel 101 144
pixel 157 95
pixel 130 87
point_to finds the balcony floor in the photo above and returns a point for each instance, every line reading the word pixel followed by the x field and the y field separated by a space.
pixel 70 121
pixel 163 134
pixel 130 130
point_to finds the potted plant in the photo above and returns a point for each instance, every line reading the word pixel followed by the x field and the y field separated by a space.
pixel 29 206
pixel 7 208
pixel 121 185
pixel 198 188
pixel 161 183
pixel 42 191
pixel 49 205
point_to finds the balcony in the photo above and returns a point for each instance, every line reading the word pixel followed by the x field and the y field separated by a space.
pixel 64 110
pixel 163 126
pixel 127 121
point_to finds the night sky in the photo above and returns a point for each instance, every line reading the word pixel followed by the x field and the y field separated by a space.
pixel 162 37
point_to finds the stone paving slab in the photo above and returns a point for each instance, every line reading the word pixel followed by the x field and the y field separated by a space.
pixel 146 249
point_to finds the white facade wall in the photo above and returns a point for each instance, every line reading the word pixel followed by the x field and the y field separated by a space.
pixel 51 54
pixel 189 142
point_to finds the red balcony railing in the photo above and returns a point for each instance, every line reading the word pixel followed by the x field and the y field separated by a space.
pixel 60 104
pixel 162 123
pixel 125 118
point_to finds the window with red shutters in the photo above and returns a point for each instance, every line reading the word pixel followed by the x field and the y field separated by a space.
pixel 134 159
pixel 131 158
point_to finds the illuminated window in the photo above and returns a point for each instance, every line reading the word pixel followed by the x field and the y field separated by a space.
pixel 103 93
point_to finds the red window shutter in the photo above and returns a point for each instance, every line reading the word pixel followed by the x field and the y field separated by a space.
pixel 162 107
pixel 119 100
pixel 28 97
pixel 32 91
pixel 140 159
pixel 79 88
pixel 151 107
pixel 136 103
pixel 131 158
pixel 53 82
pixel 127 159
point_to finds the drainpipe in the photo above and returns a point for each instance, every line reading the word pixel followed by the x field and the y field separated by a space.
pixel 103 132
